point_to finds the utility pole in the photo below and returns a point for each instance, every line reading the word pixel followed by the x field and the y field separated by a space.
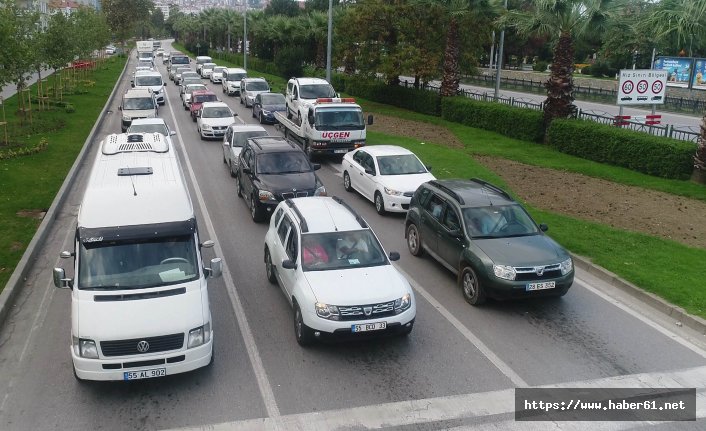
pixel 330 37
pixel 499 61
pixel 245 36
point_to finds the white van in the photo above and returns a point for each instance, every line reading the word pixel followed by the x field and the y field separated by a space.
pixel 139 297
pixel 152 81
pixel 201 60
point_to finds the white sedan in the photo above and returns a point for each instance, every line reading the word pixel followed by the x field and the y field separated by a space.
pixel 217 74
pixel 387 175
pixel 213 119
pixel 234 140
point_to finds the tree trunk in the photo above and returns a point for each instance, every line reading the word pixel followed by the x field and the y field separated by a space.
pixel 451 79
pixel 560 86
pixel 699 173
pixel 320 54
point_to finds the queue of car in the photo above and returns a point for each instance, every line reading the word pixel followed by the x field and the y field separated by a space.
pixel 327 260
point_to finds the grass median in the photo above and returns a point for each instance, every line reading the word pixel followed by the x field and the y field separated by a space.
pixel 29 183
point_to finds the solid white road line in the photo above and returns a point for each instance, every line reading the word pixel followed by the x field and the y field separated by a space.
pixel 263 382
pixel 468 406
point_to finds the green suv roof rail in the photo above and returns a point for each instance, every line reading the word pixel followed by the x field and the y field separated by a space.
pixel 302 220
pixel 448 191
pixel 492 187
pixel 358 218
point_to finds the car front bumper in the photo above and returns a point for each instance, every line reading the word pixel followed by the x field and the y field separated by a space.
pixel 511 289
pixel 328 329
pixel 396 203
pixel 174 362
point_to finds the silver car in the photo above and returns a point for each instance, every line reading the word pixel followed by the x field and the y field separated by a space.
pixel 251 87
pixel 234 140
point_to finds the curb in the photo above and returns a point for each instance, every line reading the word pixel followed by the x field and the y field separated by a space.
pixel 19 275
pixel 679 314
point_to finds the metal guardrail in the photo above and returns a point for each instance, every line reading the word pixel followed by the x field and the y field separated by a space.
pixel 682 133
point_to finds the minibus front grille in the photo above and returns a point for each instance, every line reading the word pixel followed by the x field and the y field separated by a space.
pixel 161 343
pixel 138 296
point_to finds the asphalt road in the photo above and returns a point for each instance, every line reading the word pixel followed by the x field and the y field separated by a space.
pixel 458 369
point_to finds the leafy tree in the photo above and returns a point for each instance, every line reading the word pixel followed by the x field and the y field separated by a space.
pixel 562 21
pixel 282 7
pixel 124 15
pixel 683 19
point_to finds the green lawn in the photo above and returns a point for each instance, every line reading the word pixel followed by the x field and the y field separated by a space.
pixel 632 256
pixel 29 183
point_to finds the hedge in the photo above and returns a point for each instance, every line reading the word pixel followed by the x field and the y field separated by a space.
pixel 519 123
pixel 641 152
pixel 422 101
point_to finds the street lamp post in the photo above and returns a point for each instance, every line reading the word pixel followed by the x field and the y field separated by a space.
pixel 499 62
pixel 245 35
pixel 330 36
pixel 198 49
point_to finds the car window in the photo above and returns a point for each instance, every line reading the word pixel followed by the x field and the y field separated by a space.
pixel 292 248
pixel 435 207
pixel 283 229
pixel 367 161
pixel 405 164
pixel 258 86
pixel 290 162
pixel 498 221
pixel 341 250
pixel 357 156
pixel 139 103
pixel 241 138
pixel 422 195
pixel 451 220
pixel 216 112
pixel 148 128
pixel 271 99
pixel 314 91
pixel 278 215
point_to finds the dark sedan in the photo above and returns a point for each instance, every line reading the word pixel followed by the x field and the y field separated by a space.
pixel 265 106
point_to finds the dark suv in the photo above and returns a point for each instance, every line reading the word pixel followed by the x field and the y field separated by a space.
pixel 480 233
pixel 271 169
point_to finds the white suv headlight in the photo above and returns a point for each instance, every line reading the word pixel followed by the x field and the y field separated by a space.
pixel 403 303
pixel 504 271
pixel 205 126
pixel 325 311
pixel 566 266
pixel 320 191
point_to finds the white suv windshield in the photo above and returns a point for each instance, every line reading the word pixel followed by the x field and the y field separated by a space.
pixel 148 81
pixel 257 86
pixel 137 264
pixel 314 91
pixel 340 250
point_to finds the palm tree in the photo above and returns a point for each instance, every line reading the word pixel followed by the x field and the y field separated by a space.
pixel 455 11
pixel 686 19
pixel 562 21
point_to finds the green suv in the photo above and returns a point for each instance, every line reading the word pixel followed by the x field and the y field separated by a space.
pixel 480 233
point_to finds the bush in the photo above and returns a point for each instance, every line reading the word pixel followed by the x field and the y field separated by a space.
pixel 540 66
pixel 641 152
pixel 586 70
pixel 289 61
pixel 69 108
pixel 518 123
pixel 422 101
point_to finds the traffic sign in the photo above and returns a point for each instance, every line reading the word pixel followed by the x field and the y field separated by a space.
pixel 642 87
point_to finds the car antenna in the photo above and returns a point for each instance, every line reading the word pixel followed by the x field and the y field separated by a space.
pixel 134 191
pixel 335 228
pixel 485 192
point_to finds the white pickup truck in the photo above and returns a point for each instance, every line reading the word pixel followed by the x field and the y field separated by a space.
pixel 332 126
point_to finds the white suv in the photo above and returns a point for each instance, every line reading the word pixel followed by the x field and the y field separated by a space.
pixel 335 273
pixel 303 92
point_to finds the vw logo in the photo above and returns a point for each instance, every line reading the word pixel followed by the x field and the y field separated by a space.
pixel 367 310
pixel 539 270
pixel 143 346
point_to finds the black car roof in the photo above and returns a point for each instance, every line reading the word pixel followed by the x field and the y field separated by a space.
pixel 271 144
pixel 473 192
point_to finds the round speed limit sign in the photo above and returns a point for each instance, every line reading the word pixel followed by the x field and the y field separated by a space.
pixel 642 86
pixel 628 86
pixel 657 87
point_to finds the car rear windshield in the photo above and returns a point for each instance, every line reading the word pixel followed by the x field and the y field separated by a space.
pixel 498 221
pixel 200 98
pixel 179 60
pixel 240 138
pixel 258 86
pixel 272 99
pixel 138 103
pixel 148 80
pixel 148 128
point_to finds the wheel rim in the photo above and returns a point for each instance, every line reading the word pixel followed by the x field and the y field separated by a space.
pixel 268 264
pixel 237 184
pixel 469 284
pixel 413 239
pixel 252 206
pixel 378 203
pixel 346 181
pixel 298 323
